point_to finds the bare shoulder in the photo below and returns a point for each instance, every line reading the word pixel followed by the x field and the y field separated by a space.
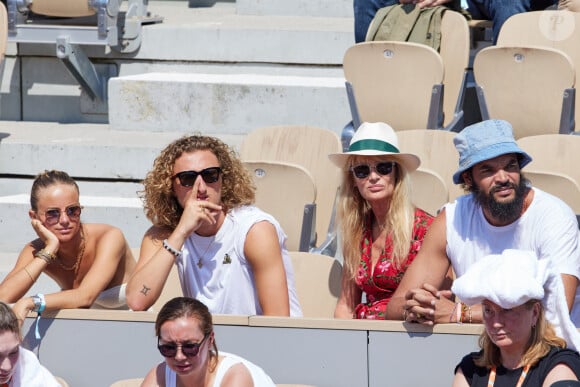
pixel 98 230
pixel 238 375
pixel 155 377
pixel 157 233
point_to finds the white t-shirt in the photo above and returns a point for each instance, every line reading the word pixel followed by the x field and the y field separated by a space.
pixel 548 227
pixel 259 377
pixel 225 280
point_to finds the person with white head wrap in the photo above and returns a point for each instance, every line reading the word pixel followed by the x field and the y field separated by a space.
pixel 528 334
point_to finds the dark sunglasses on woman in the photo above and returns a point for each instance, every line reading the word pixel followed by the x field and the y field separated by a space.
pixel 209 175
pixel 188 349
pixel 362 171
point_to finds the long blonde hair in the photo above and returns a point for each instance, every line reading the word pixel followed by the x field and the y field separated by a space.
pixel 542 338
pixel 353 212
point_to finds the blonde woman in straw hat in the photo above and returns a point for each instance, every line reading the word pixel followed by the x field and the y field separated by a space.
pixel 381 229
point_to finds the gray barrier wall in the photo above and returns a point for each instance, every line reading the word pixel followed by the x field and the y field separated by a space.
pixel 93 348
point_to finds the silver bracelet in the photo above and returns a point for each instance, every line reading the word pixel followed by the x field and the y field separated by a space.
pixel 176 253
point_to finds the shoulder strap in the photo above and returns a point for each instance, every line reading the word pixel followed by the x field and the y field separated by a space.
pixel 427 29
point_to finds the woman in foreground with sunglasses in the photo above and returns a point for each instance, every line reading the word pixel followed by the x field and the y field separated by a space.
pixel 229 254
pixel 89 262
pixel 185 338
pixel 381 229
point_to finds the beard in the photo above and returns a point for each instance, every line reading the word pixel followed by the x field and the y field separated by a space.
pixel 505 212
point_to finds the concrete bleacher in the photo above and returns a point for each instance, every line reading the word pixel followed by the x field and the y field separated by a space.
pixel 222 70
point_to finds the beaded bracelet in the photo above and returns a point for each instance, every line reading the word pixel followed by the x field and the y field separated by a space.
pixel 176 253
pixel 45 256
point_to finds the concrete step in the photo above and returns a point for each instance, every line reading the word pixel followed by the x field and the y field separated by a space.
pixel 225 103
pixel 324 8
pixel 221 34
pixel 90 151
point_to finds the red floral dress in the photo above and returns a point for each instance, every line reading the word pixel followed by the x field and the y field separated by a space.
pixel 382 283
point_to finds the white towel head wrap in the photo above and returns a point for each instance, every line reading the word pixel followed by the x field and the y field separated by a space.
pixel 511 279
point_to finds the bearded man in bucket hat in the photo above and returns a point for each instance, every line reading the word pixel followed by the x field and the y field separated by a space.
pixel 501 211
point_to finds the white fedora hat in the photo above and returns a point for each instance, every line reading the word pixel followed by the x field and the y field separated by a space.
pixel 376 139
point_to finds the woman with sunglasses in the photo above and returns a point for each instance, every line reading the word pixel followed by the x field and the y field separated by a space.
pixel 89 262
pixel 229 254
pixel 185 338
pixel 381 229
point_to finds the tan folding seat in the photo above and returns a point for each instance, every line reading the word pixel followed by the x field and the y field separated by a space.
pixel 436 150
pixel 318 280
pixel 531 87
pixel 554 166
pixel 282 190
pixel 556 29
pixel 430 192
pixel 308 147
pixel 399 83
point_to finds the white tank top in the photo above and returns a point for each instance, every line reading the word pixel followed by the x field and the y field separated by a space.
pixel 259 377
pixel 225 281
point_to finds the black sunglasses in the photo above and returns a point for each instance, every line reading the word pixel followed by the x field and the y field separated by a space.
pixel 53 215
pixel 209 175
pixel 362 171
pixel 188 349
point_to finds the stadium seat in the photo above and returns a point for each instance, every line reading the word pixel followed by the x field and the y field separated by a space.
pixel 554 166
pixel 318 280
pixel 429 190
pixel 553 29
pixel 531 87
pixel 282 189
pixel 308 147
pixel 400 83
pixel 73 24
pixel 436 150
pixel 391 77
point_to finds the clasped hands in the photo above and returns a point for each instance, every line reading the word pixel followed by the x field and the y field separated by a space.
pixel 427 305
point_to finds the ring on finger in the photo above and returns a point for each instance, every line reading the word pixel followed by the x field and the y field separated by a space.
pixel 419 315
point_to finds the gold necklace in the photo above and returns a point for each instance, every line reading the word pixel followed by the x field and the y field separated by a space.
pixel 75 266
pixel 199 261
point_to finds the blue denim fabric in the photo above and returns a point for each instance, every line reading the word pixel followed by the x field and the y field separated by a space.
pixel 499 10
pixel 364 11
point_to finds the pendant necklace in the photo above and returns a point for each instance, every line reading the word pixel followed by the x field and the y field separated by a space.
pixel 199 258
pixel 75 266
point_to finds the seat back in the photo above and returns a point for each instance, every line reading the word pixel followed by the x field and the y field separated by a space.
pixel 454 51
pixel 393 82
pixel 436 150
pixel 171 289
pixel 554 29
pixel 136 382
pixel 557 184
pixel 429 190
pixel 317 279
pixel 555 154
pixel 308 147
pixel 526 86
pixel 62 8
pixel 285 190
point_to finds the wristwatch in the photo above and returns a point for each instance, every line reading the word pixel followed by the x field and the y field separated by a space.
pixel 39 304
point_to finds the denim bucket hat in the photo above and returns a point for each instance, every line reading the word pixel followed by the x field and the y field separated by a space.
pixel 376 139
pixel 484 141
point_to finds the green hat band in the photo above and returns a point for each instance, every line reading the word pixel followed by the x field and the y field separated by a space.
pixel 372 145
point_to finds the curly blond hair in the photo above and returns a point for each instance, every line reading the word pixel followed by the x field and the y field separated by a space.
pixel 159 202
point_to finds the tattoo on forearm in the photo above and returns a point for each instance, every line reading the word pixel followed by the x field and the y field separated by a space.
pixel 145 289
